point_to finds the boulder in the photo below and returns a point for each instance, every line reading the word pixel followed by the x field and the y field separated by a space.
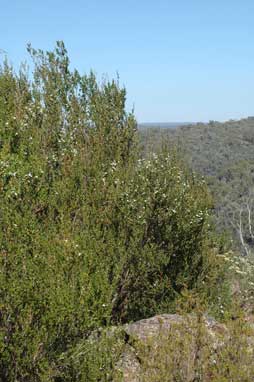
pixel 158 345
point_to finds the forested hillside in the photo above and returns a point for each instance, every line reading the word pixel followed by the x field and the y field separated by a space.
pixel 223 153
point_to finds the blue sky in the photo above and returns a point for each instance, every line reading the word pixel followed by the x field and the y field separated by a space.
pixel 179 60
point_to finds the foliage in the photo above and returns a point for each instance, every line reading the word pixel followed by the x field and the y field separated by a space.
pixel 94 359
pixel 223 153
pixel 89 234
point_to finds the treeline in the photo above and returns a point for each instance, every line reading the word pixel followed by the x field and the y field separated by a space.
pixel 91 233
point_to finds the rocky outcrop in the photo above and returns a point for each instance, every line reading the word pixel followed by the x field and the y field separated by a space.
pixel 171 347
pixel 170 343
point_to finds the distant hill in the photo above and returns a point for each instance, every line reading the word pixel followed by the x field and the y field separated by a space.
pixel 209 147
pixel 163 125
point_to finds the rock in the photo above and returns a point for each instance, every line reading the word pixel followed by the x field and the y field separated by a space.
pixel 152 341
pixel 150 327
pixel 129 365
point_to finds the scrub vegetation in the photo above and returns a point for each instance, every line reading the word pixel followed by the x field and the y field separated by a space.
pixel 92 232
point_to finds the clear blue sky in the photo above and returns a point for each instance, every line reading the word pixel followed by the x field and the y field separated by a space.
pixel 180 60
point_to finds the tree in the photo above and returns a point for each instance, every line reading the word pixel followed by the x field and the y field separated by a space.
pixel 240 216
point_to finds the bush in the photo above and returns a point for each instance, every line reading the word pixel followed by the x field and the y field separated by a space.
pixel 170 248
pixel 89 234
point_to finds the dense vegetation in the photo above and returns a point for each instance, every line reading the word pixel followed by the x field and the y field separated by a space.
pixel 223 152
pixel 91 233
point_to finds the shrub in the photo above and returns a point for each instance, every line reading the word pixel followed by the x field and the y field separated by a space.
pixel 89 234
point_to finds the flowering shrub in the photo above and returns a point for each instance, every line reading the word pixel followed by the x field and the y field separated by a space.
pixel 89 234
